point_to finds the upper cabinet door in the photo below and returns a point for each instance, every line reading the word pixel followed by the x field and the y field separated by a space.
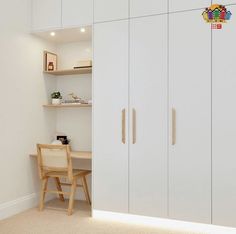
pixel 190 98
pixel 110 121
pixel 46 14
pixel 148 102
pixel 188 4
pixel 224 2
pixel 107 10
pixel 223 124
pixel 77 12
pixel 147 7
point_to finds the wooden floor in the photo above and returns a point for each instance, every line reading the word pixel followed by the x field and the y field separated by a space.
pixel 54 221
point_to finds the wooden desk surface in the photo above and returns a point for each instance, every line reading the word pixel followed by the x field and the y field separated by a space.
pixel 76 155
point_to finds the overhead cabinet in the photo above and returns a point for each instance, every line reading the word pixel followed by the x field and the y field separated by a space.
pixel 56 14
pixel 107 10
pixel 147 7
pixel 224 2
pixel 46 14
pixel 188 5
pixel 77 13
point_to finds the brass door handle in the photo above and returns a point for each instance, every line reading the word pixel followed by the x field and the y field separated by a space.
pixel 173 126
pixel 134 125
pixel 123 127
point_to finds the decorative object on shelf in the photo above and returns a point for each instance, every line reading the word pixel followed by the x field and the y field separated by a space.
pixel 83 63
pixel 74 100
pixel 50 66
pixel 50 61
pixel 75 97
pixel 56 98
pixel 63 140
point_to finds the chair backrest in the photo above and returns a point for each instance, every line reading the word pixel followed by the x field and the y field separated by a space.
pixel 54 158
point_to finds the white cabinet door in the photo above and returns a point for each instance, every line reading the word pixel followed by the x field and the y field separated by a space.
pixel 46 14
pixel 107 10
pixel 77 12
pixel 224 124
pixel 148 97
pixel 224 2
pixel 147 7
pixel 190 96
pixel 110 87
pixel 188 5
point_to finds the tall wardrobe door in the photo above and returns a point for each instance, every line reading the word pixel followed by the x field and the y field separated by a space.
pixel 110 117
pixel 224 124
pixel 190 117
pixel 148 116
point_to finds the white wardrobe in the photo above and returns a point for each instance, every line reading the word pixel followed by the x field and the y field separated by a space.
pixel 164 120
pixel 223 124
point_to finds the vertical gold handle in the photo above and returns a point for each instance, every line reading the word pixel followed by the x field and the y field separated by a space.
pixel 123 126
pixel 134 125
pixel 173 126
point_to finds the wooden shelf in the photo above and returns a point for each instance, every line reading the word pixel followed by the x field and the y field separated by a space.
pixel 67 105
pixel 82 70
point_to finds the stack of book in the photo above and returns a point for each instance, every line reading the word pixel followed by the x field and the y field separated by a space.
pixel 76 101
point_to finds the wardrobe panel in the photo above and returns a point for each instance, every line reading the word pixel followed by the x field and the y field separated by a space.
pixel 46 14
pixel 148 116
pixel 224 2
pixel 188 5
pixel 190 117
pixel 110 117
pixel 107 10
pixel 147 7
pixel 224 125
pixel 77 13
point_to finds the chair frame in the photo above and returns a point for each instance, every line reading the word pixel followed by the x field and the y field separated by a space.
pixel 44 174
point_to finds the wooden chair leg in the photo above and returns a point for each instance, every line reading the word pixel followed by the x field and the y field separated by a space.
pixel 85 187
pixel 44 183
pixel 72 196
pixel 58 185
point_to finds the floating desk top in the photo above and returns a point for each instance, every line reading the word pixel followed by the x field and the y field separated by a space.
pixel 76 155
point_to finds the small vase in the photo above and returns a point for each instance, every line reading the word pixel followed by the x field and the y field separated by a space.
pixel 56 101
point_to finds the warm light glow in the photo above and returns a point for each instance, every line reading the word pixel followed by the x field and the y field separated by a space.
pixel 52 34
pixel 170 225
pixel 82 30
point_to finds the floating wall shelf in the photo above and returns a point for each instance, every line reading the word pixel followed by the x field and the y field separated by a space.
pixel 67 105
pixel 82 70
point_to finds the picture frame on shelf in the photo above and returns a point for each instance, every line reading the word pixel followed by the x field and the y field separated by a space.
pixel 50 61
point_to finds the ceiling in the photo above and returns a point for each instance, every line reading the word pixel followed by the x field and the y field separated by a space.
pixel 67 35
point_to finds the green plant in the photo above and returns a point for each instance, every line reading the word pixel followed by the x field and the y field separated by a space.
pixel 56 95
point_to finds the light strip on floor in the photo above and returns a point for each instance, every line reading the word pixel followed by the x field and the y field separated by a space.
pixel 168 224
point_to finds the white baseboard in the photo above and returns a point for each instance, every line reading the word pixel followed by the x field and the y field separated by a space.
pixel 19 205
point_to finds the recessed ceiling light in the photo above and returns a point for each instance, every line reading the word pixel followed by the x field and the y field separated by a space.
pixel 52 34
pixel 82 30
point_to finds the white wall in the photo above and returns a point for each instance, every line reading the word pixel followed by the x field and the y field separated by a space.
pixel 23 121
pixel 76 123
